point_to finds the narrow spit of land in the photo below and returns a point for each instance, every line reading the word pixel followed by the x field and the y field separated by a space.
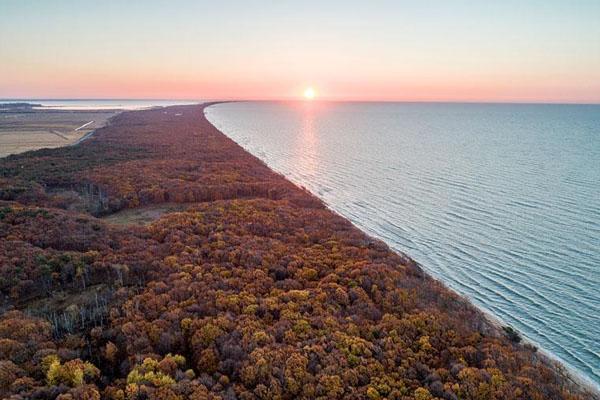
pixel 209 276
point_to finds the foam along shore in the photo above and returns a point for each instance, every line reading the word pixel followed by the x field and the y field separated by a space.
pixel 244 285
pixel 572 375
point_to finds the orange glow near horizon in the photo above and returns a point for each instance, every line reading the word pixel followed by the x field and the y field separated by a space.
pixel 404 51
pixel 413 88
pixel 232 83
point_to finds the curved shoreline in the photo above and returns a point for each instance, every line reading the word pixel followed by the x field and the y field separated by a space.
pixel 574 376
pixel 252 270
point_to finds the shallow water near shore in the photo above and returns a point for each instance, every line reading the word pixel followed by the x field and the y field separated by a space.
pixel 499 201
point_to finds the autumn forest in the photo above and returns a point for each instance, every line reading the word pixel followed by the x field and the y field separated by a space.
pixel 241 285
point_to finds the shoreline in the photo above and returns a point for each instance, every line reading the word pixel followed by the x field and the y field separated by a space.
pixel 249 251
pixel 24 129
pixel 33 109
pixel 91 133
pixel 572 374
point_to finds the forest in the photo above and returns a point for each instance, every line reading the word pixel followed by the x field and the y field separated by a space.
pixel 254 289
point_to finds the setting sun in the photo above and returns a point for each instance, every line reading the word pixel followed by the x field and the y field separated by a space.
pixel 309 93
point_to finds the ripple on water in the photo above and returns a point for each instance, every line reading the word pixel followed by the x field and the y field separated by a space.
pixel 500 202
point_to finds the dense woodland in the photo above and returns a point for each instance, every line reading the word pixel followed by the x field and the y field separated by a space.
pixel 254 290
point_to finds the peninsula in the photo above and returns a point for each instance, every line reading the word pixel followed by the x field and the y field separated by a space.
pixel 159 260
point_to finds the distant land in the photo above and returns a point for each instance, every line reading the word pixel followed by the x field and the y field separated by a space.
pixel 158 259
pixel 17 106
pixel 28 126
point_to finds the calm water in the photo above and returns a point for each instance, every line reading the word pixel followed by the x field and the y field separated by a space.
pixel 99 104
pixel 500 202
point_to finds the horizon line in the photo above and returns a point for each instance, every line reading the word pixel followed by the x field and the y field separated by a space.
pixel 299 99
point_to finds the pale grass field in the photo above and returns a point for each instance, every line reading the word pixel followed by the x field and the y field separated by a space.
pixel 143 215
pixel 23 131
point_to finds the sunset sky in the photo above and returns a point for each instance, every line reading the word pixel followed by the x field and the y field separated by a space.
pixel 546 51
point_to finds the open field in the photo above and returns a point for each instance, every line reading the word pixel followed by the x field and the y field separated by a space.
pixel 24 130
pixel 143 215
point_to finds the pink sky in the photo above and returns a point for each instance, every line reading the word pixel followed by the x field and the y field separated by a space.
pixel 438 51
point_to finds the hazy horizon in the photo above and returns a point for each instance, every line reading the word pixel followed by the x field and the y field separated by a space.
pixel 457 51
pixel 200 101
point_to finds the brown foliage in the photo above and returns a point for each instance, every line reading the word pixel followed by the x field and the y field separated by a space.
pixel 254 291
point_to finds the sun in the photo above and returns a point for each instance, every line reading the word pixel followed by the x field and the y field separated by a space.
pixel 309 93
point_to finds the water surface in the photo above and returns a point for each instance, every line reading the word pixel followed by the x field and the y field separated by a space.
pixel 98 104
pixel 500 202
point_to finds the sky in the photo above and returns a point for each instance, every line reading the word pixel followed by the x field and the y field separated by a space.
pixel 445 50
